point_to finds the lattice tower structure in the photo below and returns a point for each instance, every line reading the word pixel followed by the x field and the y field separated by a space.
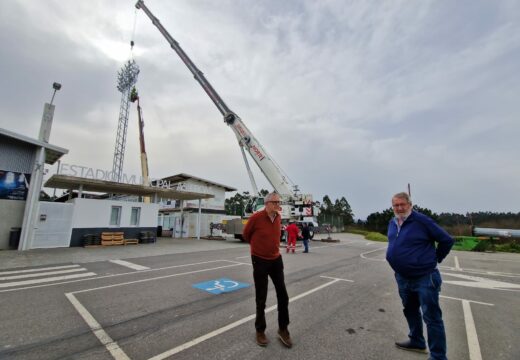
pixel 126 79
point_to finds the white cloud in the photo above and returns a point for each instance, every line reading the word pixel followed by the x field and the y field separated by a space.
pixel 352 99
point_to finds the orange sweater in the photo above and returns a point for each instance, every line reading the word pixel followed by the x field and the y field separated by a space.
pixel 263 235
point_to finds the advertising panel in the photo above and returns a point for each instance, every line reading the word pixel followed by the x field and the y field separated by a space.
pixel 14 185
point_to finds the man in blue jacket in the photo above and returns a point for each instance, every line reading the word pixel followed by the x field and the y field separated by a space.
pixel 413 256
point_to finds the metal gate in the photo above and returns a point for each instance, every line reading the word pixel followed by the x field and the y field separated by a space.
pixel 53 226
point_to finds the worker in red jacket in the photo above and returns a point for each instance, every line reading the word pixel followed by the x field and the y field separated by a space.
pixel 292 235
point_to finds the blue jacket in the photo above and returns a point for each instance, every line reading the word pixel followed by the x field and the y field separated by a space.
pixel 411 250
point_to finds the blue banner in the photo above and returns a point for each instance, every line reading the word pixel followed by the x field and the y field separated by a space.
pixel 14 185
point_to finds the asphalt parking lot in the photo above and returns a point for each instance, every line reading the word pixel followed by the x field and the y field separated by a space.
pixel 194 299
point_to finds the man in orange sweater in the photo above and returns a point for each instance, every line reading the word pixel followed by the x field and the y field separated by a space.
pixel 262 232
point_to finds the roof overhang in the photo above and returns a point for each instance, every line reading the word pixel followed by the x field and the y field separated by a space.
pixel 85 184
pixel 52 152
pixel 183 177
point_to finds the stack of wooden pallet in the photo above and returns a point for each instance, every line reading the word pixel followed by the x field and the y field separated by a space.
pixel 116 238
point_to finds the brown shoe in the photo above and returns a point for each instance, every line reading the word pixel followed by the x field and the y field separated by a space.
pixel 285 337
pixel 261 339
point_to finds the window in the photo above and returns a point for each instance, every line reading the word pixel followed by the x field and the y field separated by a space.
pixel 134 216
pixel 115 216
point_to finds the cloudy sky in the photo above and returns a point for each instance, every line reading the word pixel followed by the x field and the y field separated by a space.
pixel 351 98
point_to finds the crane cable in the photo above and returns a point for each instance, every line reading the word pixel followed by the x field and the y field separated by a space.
pixel 133 36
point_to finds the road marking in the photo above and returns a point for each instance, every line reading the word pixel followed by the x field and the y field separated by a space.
pixel 37 281
pixel 129 265
pixel 471 332
pixel 471 301
pixel 112 275
pixel 481 272
pixel 325 246
pixel 37 269
pixel 481 283
pixel 233 325
pixel 336 278
pixel 46 273
pixel 154 278
pixel 96 328
pixel 371 251
pixel 457 266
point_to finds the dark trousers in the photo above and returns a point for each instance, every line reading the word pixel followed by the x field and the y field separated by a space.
pixel 420 299
pixel 262 269
pixel 306 245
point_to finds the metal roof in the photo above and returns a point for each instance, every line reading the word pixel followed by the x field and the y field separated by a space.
pixel 183 177
pixel 52 152
pixel 74 183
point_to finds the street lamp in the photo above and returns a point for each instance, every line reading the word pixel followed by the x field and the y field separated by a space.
pixel 56 86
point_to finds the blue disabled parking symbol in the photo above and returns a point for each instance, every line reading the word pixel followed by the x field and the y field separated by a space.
pixel 219 286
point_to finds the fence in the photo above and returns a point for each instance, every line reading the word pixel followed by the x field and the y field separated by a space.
pixel 334 221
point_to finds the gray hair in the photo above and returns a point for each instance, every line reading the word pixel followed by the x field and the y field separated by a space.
pixel 403 196
pixel 269 196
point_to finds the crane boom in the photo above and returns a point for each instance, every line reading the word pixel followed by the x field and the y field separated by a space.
pixel 144 159
pixel 274 174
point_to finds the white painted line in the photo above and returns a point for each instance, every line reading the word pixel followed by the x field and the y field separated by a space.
pixel 113 275
pixel 325 246
pixel 129 265
pixel 243 257
pixel 154 278
pixel 482 283
pixel 96 328
pixel 233 325
pixel 336 278
pixel 37 269
pixel 482 272
pixel 371 251
pixel 471 301
pixel 495 259
pixel 55 278
pixel 457 266
pixel 471 332
pixel 242 263
pixel 368 243
pixel 46 273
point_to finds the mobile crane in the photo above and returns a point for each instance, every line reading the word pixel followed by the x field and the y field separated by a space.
pixel 134 96
pixel 295 206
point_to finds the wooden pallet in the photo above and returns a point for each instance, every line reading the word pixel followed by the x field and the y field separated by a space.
pixel 131 241
pixel 112 238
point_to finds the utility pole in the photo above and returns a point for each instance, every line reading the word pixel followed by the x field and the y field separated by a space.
pixel 32 202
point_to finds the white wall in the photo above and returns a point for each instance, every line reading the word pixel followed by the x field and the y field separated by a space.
pixel 11 215
pixel 92 213
pixel 216 203
pixel 190 223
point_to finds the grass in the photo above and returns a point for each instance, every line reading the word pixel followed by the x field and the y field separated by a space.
pixel 375 236
pixel 465 243
pixel 462 243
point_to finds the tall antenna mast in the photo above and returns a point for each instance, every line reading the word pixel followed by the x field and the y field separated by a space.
pixel 126 79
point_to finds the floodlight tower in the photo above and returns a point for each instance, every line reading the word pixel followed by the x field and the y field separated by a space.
pixel 126 79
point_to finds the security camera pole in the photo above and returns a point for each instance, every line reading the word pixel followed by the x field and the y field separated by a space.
pixel 33 195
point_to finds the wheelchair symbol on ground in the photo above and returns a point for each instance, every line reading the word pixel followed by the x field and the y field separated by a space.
pixel 220 286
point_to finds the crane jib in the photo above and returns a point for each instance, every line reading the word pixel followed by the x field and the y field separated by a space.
pixel 269 168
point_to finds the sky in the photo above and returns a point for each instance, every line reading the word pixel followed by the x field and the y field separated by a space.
pixel 353 99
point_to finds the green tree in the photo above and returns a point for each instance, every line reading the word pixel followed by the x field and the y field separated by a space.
pixel 344 209
pixel 327 207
